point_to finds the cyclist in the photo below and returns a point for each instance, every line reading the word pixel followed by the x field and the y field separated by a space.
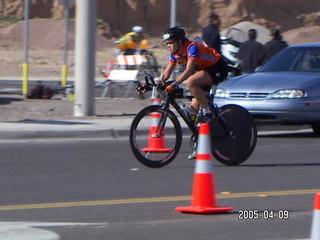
pixel 204 68
pixel 133 40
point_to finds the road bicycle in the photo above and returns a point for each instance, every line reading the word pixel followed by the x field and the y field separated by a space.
pixel 156 132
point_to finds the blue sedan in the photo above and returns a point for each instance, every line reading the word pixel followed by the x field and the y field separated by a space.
pixel 286 90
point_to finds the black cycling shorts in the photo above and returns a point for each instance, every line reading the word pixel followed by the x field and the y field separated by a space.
pixel 218 72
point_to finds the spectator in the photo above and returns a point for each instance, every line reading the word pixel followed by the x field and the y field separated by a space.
pixel 211 35
pixel 130 42
pixel 250 53
pixel 275 45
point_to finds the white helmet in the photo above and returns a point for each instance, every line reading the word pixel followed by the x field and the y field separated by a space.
pixel 137 29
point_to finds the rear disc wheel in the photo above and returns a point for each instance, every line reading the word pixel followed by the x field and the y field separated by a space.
pixel 233 142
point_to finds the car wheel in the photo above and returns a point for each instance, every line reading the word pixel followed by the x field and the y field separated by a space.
pixel 316 128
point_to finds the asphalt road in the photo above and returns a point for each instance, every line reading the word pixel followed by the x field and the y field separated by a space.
pixel 96 190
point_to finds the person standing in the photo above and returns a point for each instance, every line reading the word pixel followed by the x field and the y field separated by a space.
pixel 211 35
pixel 250 53
pixel 275 45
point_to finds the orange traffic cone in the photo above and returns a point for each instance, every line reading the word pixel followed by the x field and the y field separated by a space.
pixel 203 195
pixel 108 68
pixel 156 143
pixel 315 228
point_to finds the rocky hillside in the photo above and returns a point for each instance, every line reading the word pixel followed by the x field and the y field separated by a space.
pixel 298 20
pixel 118 16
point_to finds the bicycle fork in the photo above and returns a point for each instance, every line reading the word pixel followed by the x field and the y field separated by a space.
pixel 159 131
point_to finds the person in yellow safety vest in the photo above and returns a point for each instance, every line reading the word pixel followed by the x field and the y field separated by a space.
pixel 132 41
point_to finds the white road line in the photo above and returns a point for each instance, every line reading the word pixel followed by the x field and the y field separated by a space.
pixel 26 233
pixel 29 230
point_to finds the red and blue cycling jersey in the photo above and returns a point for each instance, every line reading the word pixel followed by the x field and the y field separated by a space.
pixel 204 56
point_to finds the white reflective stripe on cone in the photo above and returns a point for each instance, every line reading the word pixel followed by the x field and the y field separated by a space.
pixel 315 228
pixel 205 146
pixel 155 115
pixel 204 166
pixel 155 119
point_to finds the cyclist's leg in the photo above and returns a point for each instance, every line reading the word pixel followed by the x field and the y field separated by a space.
pixel 195 83
pixel 194 105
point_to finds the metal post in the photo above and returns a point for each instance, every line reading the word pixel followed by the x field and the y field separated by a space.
pixel 64 69
pixel 25 65
pixel 173 13
pixel 85 57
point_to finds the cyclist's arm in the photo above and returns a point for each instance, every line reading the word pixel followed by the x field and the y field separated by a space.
pixel 190 68
pixel 167 72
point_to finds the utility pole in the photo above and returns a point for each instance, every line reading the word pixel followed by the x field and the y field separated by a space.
pixel 173 17
pixel 85 57
pixel 25 65
pixel 173 13
pixel 64 68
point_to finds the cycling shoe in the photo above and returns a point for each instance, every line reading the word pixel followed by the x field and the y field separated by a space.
pixel 192 156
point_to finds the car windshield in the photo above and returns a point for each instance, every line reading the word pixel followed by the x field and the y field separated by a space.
pixel 294 59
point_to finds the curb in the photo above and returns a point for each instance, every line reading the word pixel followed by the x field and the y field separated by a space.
pixel 57 134
pixel 106 132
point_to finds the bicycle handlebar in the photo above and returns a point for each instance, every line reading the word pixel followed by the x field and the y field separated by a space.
pixel 150 84
pixel 148 77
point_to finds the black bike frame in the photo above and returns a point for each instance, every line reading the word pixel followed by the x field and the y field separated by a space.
pixel 169 100
pixel 193 128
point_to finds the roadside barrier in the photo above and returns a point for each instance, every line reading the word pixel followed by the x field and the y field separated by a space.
pixel 124 71
pixel 315 227
pixel 130 60
pixel 156 143
pixel 203 194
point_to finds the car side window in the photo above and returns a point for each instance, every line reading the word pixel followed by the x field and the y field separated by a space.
pixel 305 60
pixel 297 61
pixel 314 62
pixel 294 59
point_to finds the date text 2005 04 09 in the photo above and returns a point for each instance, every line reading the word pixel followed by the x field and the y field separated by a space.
pixel 263 214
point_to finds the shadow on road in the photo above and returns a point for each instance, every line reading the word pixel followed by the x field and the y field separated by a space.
pixel 7 100
pixel 291 135
pixel 280 165
pixel 117 115
pixel 51 122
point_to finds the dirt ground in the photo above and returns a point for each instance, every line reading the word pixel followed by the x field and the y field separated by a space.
pixel 16 108
pixel 46 49
pixel 48 63
pixel 46 57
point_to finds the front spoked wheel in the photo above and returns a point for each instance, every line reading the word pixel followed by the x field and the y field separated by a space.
pixel 233 135
pixel 155 136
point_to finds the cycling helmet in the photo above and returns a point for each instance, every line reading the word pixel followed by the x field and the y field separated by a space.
pixel 137 29
pixel 174 33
